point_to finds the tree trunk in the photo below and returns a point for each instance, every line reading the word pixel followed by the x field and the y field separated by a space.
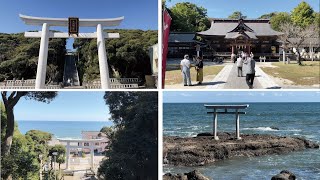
pixel 299 58
pixel 9 103
pixel 9 131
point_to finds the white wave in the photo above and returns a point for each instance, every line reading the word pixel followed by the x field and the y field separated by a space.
pixel 270 129
pixel 261 129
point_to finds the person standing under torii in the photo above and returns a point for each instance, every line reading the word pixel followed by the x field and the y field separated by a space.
pixel 185 70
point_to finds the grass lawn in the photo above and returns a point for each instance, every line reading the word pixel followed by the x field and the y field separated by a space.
pixel 308 74
pixel 175 77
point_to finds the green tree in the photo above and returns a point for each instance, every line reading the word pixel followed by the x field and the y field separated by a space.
pixel 22 162
pixel 128 56
pixel 132 153
pixel 109 131
pixel 39 142
pixel 317 20
pixel 268 16
pixel 302 15
pixel 10 100
pixel 61 150
pixel 278 19
pixel 19 57
pixel 237 15
pixel 188 17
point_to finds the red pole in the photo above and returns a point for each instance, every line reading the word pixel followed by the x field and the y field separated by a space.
pixel 165 39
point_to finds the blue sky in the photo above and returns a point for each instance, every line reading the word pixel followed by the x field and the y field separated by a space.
pixel 138 14
pixel 250 8
pixel 67 106
pixel 240 96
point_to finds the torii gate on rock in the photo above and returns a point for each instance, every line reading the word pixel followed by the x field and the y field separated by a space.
pixel 225 107
pixel 45 34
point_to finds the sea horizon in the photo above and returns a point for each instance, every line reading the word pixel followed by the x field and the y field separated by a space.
pixel 62 129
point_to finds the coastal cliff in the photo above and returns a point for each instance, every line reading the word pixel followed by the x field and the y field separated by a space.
pixel 203 149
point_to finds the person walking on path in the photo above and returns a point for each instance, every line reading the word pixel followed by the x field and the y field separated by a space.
pixel 239 66
pixel 233 58
pixel 199 69
pixel 251 55
pixel 250 71
pixel 185 70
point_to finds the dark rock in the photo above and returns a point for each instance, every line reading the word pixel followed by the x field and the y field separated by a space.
pixel 169 176
pixel 202 150
pixel 193 175
pixel 274 128
pixel 284 175
pixel 196 175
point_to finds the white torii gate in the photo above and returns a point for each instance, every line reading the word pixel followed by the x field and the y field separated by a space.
pixel 226 107
pixel 80 143
pixel 45 34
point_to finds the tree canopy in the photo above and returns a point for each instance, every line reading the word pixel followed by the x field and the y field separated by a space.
pixel 109 131
pixel 237 15
pixel 278 19
pixel 128 56
pixel 10 100
pixel 19 57
pixel 302 15
pixel 188 17
pixel 267 16
pixel 22 161
pixel 61 151
pixel 20 153
pixel 132 152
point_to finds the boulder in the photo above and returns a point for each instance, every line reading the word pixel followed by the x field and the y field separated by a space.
pixel 284 175
pixel 193 175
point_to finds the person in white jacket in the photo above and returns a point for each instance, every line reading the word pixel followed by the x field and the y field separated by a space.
pixel 185 70
pixel 239 66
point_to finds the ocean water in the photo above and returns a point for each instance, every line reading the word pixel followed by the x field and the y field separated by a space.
pixel 62 129
pixel 292 119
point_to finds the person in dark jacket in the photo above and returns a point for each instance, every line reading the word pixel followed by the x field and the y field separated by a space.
pixel 199 69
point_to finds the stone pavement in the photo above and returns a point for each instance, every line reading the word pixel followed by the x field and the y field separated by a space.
pixel 228 79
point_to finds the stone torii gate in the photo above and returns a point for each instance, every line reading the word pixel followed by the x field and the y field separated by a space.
pixel 226 107
pixel 45 34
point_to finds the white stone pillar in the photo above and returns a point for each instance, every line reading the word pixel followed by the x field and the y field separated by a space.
pixel 215 124
pixel 238 125
pixel 103 61
pixel 68 154
pixel 92 155
pixel 42 60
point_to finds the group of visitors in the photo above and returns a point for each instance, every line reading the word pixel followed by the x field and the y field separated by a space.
pixel 185 66
pixel 247 63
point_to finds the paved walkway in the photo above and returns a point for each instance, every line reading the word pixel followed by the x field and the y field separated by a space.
pixel 228 79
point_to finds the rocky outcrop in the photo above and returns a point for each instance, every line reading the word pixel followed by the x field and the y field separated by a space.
pixel 193 175
pixel 284 175
pixel 203 149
